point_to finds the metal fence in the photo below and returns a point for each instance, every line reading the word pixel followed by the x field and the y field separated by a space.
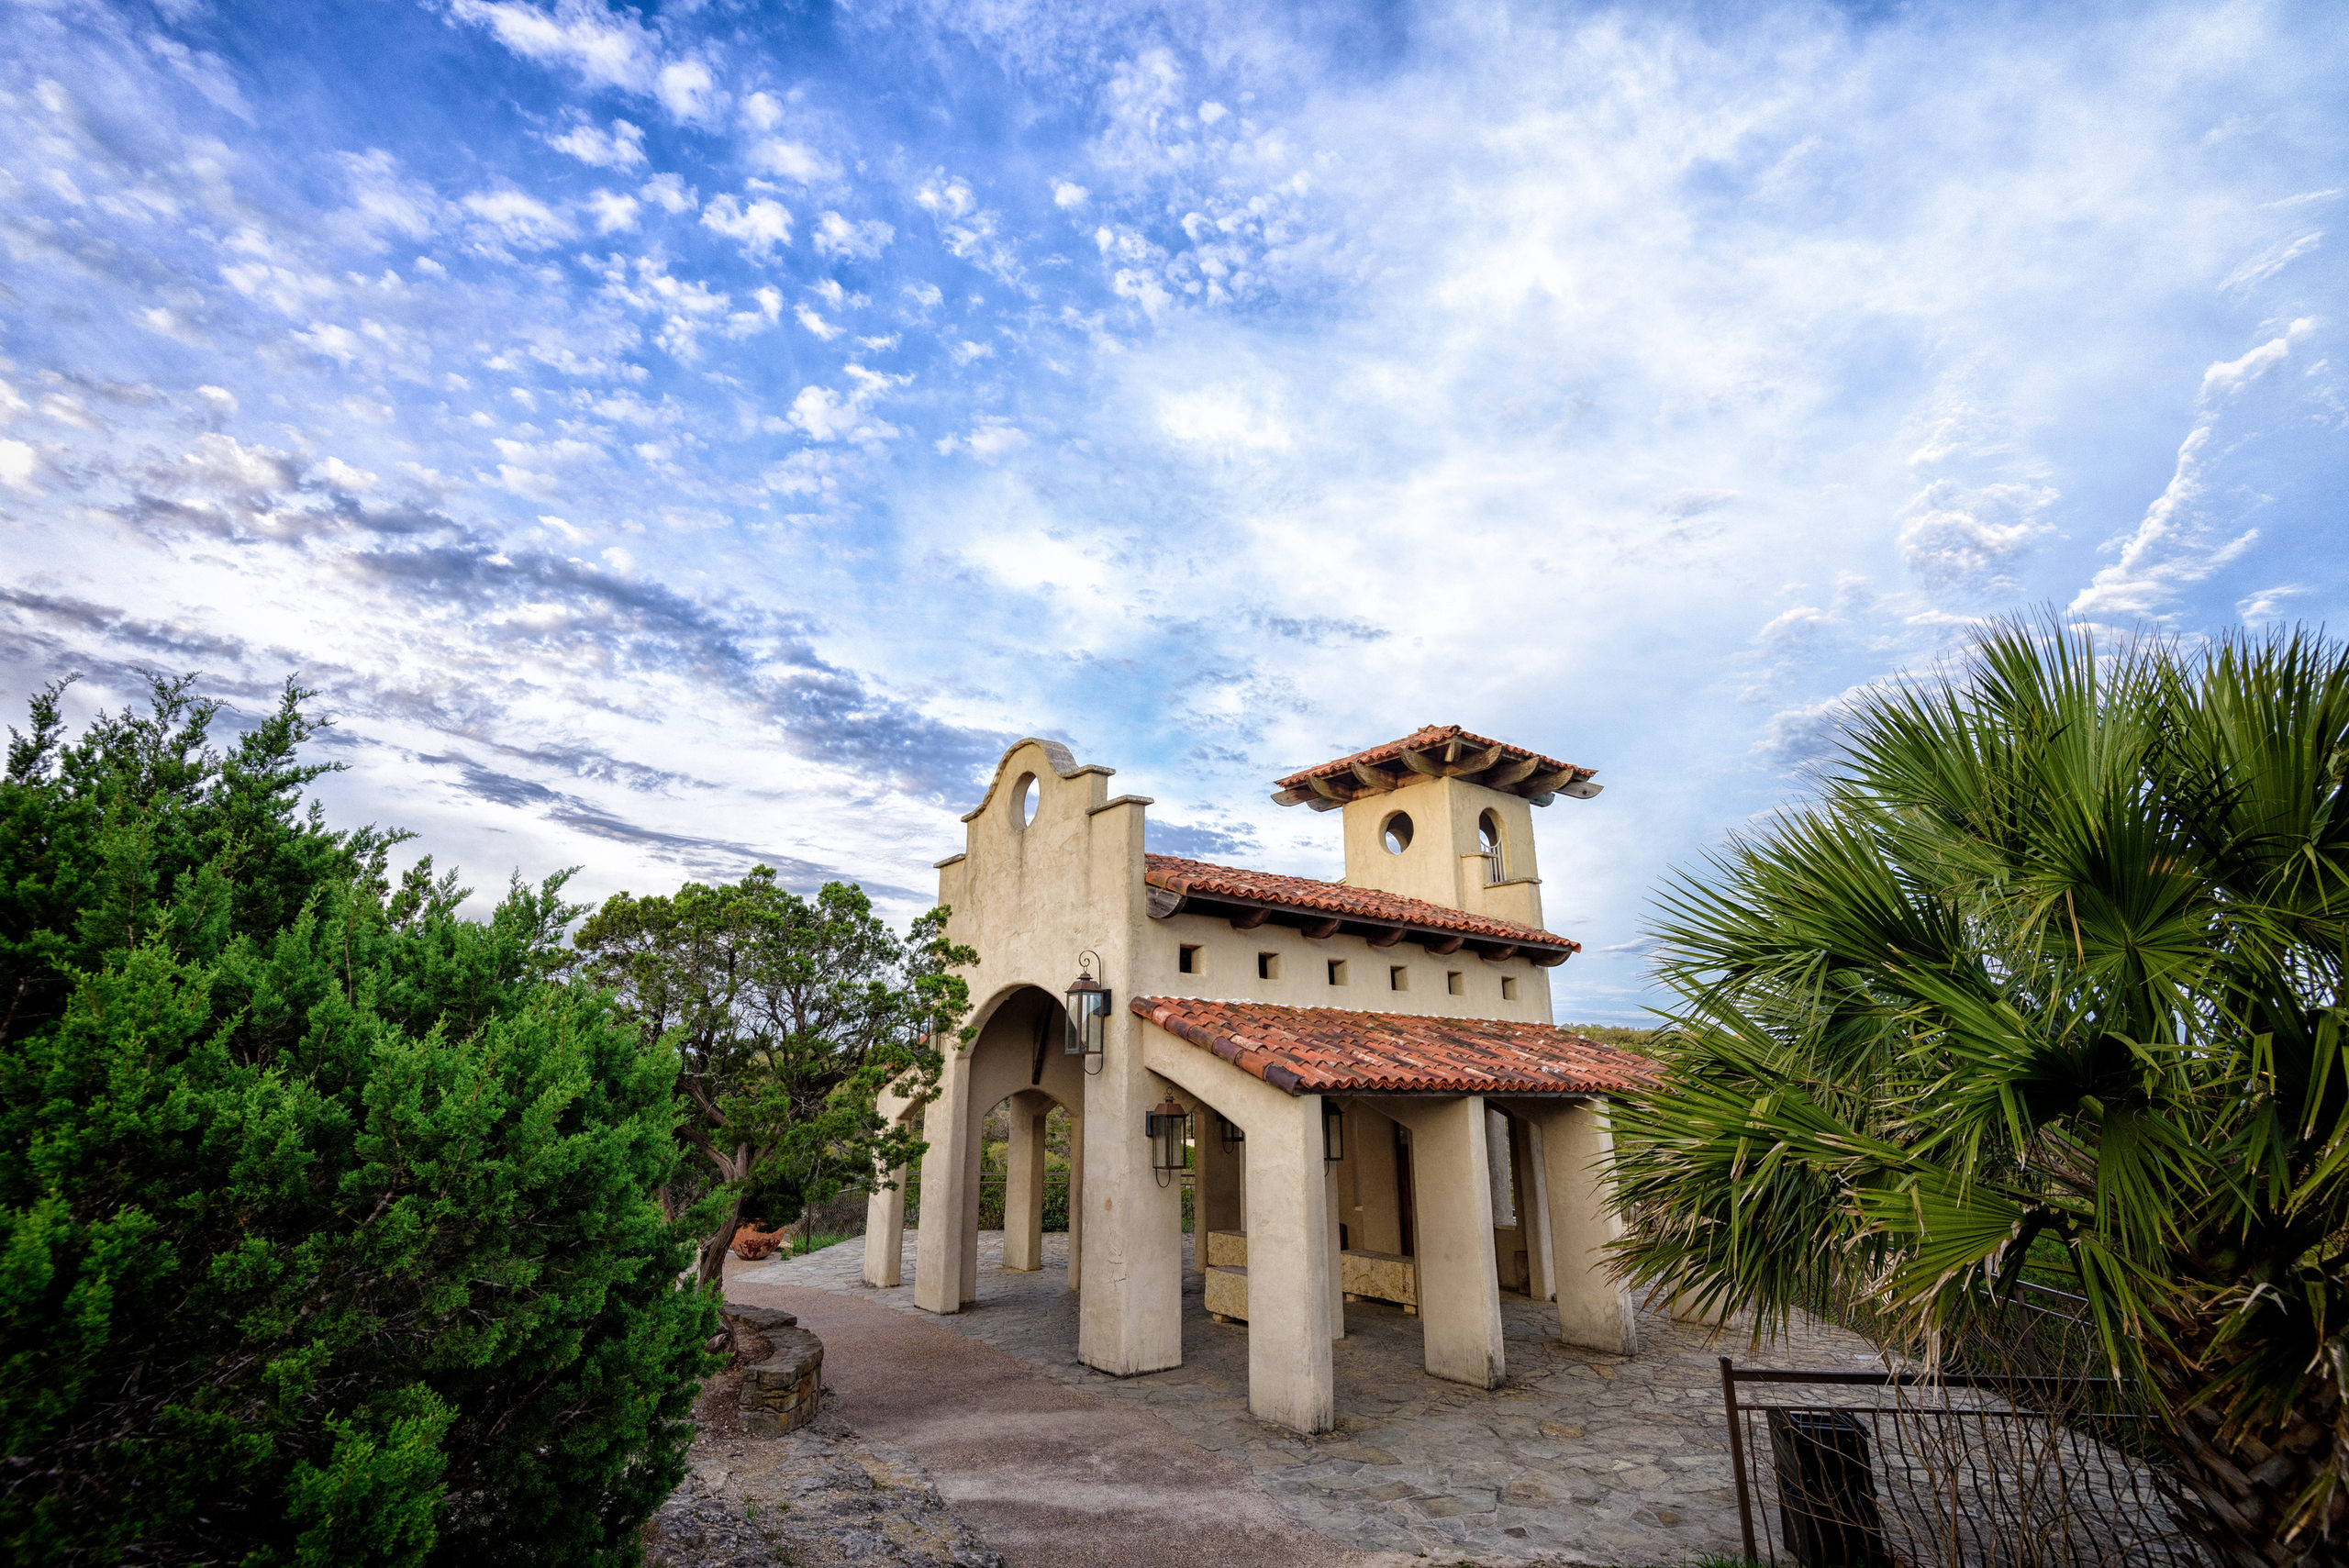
pixel 1874 1468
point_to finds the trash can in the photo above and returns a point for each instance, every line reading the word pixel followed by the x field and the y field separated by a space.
pixel 1827 1509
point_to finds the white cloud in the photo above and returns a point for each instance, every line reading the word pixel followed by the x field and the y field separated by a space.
pixel 606 50
pixel 1068 195
pixel 341 475
pixel 518 219
pixel 670 193
pixel 818 325
pixel 762 111
pixel 1211 111
pixel 759 226
pixel 614 214
pixel 1222 418
pixel 824 414
pixel 18 462
pixel 1953 534
pixel 963 351
pixel 687 90
pixel 219 400
pixel 2267 606
pixel 2226 379
pixel 793 160
pixel 622 147
pixel 837 235
pixel 991 437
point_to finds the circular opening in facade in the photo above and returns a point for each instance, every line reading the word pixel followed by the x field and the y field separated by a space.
pixel 1024 795
pixel 1396 834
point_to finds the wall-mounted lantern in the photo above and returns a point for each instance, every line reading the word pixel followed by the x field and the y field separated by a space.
pixel 1168 1128
pixel 1088 1013
pixel 1229 1132
pixel 1333 1130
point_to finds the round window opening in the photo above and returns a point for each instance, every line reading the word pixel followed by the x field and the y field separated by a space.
pixel 1488 834
pixel 1024 795
pixel 1396 834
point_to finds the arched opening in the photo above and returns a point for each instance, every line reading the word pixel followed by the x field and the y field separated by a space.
pixel 1395 833
pixel 1488 844
pixel 1017 1117
pixel 1026 795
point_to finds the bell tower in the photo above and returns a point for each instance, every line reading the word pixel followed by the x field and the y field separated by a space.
pixel 1444 817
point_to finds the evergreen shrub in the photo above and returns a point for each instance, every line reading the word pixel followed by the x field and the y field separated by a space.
pixel 328 1220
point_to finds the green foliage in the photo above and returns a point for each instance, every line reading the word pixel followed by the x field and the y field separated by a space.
pixel 789 1016
pixel 327 1226
pixel 2050 974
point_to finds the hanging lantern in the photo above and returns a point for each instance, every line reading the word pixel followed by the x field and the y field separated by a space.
pixel 1169 1128
pixel 1333 1130
pixel 1088 1013
pixel 1229 1132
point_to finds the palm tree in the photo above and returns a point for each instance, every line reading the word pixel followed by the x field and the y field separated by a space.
pixel 2046 981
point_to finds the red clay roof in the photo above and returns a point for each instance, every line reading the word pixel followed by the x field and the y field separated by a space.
pixel 1326 1050
pixel 1424 739
pixel 1178 876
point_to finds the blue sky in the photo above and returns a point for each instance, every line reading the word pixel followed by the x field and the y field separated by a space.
pixel 678 436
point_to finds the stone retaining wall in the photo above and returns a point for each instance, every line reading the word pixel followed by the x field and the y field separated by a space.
pixel 780 1393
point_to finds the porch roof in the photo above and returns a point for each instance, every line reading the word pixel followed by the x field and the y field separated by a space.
pixel 1330 1051
pixel 1435 750
pixel 1386 917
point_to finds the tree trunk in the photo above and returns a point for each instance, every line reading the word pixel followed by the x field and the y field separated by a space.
pixel 711 1268
pixel 2243 1494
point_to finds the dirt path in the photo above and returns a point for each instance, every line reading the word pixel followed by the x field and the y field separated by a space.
pixel 1052 1476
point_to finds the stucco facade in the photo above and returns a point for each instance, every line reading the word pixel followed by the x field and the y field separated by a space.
pixel 1400 1018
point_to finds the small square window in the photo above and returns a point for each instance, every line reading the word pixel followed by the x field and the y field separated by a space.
pixel 1457 982
pixel 1337 972
pixel 1508 988
pixel 1399 978
pixel 1268 966
pixel 1187 959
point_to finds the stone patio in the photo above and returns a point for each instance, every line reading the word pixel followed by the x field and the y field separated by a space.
pixel 1580 1457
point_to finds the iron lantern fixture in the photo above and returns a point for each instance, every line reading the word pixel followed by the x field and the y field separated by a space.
pixel 1229 1132
pixel 1333 1130
pixel 1088 1013
pixel 1169 1128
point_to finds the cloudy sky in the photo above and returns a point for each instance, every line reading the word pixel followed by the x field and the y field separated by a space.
pixel 677 437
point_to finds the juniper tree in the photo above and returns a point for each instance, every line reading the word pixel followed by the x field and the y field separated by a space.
pixel 328 1231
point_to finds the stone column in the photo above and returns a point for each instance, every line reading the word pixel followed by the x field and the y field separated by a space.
pixel 1290 1249
pixel 885 1233
pixel 1023 1189
pixel 1594 1311
pixel 974 1166
pixel 940 1284
pixel 1452 1189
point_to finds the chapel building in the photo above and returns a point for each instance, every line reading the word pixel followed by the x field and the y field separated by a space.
pixel 1363 1074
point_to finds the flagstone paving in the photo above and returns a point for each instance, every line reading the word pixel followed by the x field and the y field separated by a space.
pixel 1581 1457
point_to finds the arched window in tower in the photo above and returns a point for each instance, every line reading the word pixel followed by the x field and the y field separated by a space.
pixel 1488 844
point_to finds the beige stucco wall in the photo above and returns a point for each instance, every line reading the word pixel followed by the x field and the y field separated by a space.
pixel 1443 863
pixel 1029 896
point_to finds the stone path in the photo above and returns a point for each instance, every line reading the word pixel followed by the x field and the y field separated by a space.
pixel 1581 1457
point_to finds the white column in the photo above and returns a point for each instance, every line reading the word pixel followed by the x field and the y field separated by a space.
pixel 885 1233
pixel 1290 1248
pixel 1534 1213
pixel 1075 1200
pixel 1130 1318
pixel 1594 1309
pixel 939 1283
pixel 1334 1267
pixel 1023 1192
pixel 1460 1288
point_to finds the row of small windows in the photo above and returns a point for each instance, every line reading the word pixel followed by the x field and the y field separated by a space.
pixel 1191 960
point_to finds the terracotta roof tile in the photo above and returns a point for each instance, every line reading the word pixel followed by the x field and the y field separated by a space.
pixel 1426 738
pixel 1329 1051
pixel 1178 876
